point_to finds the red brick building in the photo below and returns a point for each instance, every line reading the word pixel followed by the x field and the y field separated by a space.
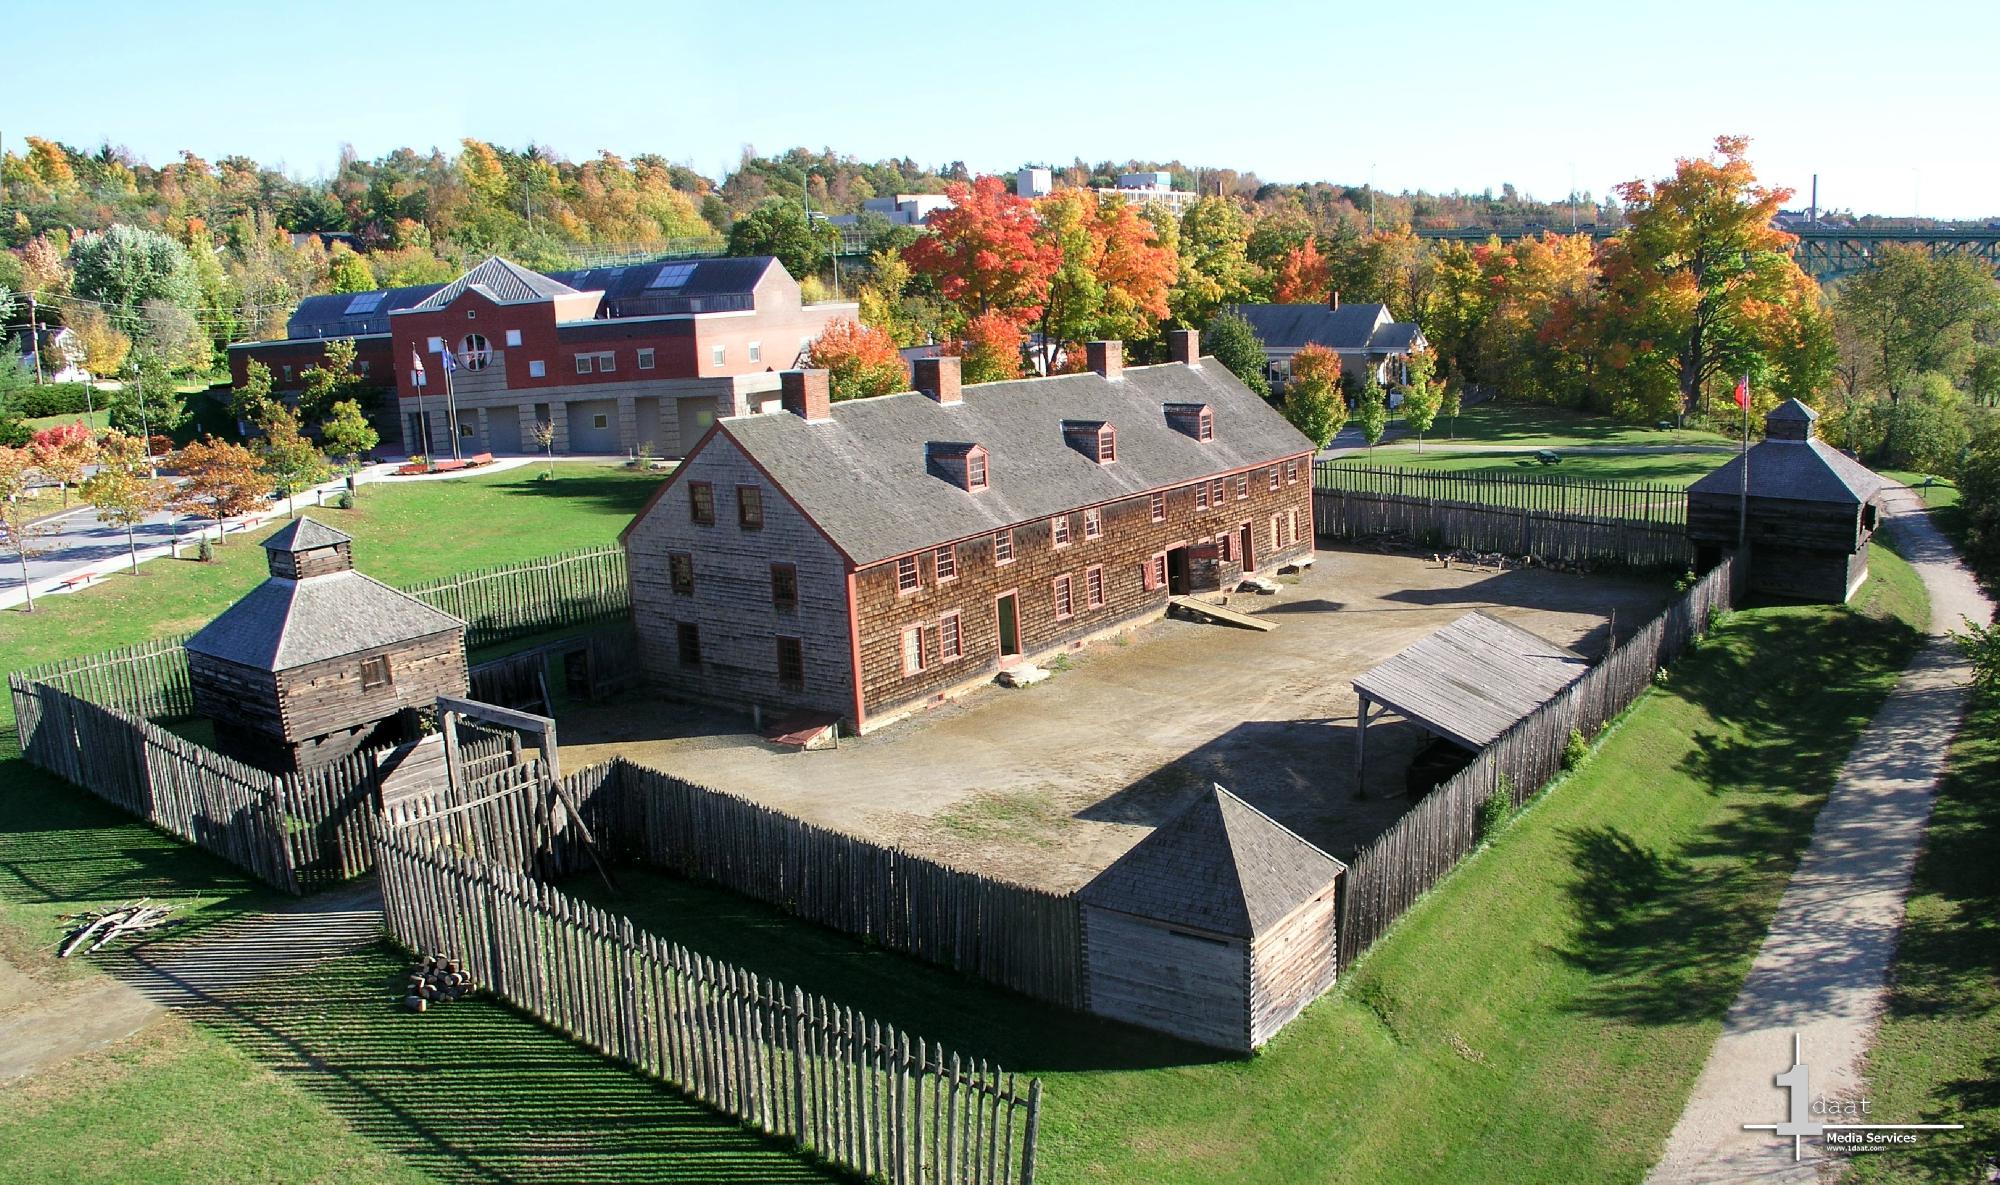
pixel 614 359
pixel 866 558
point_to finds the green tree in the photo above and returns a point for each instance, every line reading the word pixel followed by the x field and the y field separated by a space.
pixel 348 272
pixel 287 459
pixel 1232 341
pixel 19 469
pixel 1215 265
pixel 778 228
pixel 1422 396
pixel 149 403
pixel 126 266
pixel 1978 479
pixel 1313 402
pixel 124 491
pixel 1372 411
pixel 887 305
pixel 252 401
pixel 347 431
pixel 334 379
pixel 1917 313
pixel 1452 403
pixel 1927 428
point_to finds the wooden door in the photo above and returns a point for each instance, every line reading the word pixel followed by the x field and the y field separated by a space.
pixel 1008 610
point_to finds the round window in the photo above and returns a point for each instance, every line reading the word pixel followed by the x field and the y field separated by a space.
pixel 474 353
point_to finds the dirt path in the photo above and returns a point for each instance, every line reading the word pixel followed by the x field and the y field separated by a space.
pixel 1822 973
pixel 151 977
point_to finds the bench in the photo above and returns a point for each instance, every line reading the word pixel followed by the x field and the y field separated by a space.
pixel 447 466
pixel 75 582
pixel 481 459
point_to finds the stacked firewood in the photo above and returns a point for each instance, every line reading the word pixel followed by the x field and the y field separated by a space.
pixel 100 927
pixel 434 981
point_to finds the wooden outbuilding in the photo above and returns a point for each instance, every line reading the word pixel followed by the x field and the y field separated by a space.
pixel 319 661
pixel 1806 517
pixel 1219 927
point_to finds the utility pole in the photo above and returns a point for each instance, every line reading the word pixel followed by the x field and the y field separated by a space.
pixel 35 338
pixel 145 430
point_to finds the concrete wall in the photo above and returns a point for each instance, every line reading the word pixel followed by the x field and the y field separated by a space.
pixel 1175 981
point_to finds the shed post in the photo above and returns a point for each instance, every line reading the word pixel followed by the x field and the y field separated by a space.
pixel 1361 744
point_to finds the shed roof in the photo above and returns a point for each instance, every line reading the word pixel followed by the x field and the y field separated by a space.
pixel 285 623
pixel 1473 679
pixel 1808 470
pixel 305 533
pixel 861 473
pixel 1221 865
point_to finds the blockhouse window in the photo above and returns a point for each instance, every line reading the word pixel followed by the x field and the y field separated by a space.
pixel 689 636
pixel 680 572
pixel 374 672
pixel 750 507
pixel 791 664
pixel 701 503
pixel 784 586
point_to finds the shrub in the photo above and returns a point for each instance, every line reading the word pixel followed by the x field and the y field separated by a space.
pixel 54 399
pixel 1575 749
pixel 1685 581
pixel 1498 807
pixel 1981 646
pixel 204 551
pixel 344 500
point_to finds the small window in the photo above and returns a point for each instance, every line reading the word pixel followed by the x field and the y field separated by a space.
pixel 1003 547
pixel 909 578
pixel 513 337
pixel 1274 477
pixel 434 346
pixel 913 650
pixel 1292 527
pixel 288 374
pixel 363 364
pixel 1093 588
pixel 689 636
pixel 374 672
pixel 607 362
pixel 646 359
pixel 784 586
pixel 680 571
pixel 1158 503
pixel 1222 547
pixel 1154 572
pixel 465 429
pixel 1242 485
pixel 474 353
pixel 1093 523
pixel 1216 492
pixel 1205 426
pixel 756 351
pixel 1201 496
pixel 537 369
pixel 750 507
pixel 975 469
pixel 1060 526
pixel 951 639
pixel 601 420
pixel 719 355
pixel 1277 535
pixel 701 503
pixel 1107 445
pixel 1291 472
pixel 946 562
pixel 583 364
pixel 792 664
pixel 1065 598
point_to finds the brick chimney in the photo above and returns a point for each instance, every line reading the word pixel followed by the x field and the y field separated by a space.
pixel 1108 359
pixel 805 394
pixel 1184 346
pixel 1333 302
pixel 938 378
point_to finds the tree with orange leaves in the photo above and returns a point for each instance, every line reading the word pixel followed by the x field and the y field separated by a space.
pixel 990 351
pixel 860 360
pixel 986 254
pixel 1303 276
pixel 1112 272
pixel 63 452
pixel 1702 274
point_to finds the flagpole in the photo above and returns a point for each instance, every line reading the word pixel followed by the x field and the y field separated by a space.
pixel 451 410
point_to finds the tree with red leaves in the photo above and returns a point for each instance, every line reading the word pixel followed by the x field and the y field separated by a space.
pixel 1303 277
pixel 860 360
pixel 1112 272
pixel 986 254
pixel 63 452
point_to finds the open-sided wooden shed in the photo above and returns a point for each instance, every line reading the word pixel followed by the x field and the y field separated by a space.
pixel 319 660
pixel 1219 927
pixel 1808 515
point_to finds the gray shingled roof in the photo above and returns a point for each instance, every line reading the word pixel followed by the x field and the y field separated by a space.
pixel 282 623
pixel 1350 327
pixel 1473 679
pixel 328 316
pixel 305 533
pixel 503 280
pixel 862 475
pixel 1221 865
pixel 1797 471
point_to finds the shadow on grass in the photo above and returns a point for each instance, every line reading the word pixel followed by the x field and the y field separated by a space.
pixel 620 491
pixel 474 1091
pixel 964 1014
pixel 1667 934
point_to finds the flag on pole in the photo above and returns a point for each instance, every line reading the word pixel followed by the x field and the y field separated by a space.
pixel 416 368
pixel 1743 392
pixel 449 363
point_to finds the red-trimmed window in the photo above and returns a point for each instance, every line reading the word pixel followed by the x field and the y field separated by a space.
pixel 1292 527
pixel 946 560
pixel 750 508
pixel 688 635
pixel 1107 445
pixel 909 577
pixel 1216 492
pixel 951 638
pixel 1222 547
pixel 1093 588
pixel 1201 495
pixel 1065 597
pixel 1060 528
pixel 975 469
pixel 784 586
pixel 1243 485
pixel 913 650
pixel 1153 572
pixel 1003 547
pixel 1291 472
pixel 1277 535
pixel 792 664
pixel 1205 426
pixel 680 572
pixel 1158 503
pixel 1274 477
pixel 1093 523
pixel 701 503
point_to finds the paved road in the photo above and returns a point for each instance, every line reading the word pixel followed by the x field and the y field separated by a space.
pixel 1822 974
pixel 79 539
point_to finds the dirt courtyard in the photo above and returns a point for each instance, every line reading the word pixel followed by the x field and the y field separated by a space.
pixel 1047 785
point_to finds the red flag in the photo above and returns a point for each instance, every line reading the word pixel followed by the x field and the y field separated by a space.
pixel 1743 392
pixel 416 367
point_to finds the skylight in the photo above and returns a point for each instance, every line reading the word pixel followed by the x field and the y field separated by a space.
pixel 365 302
pixel 672 275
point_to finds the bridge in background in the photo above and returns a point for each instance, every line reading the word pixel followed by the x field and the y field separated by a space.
pixel 1826 253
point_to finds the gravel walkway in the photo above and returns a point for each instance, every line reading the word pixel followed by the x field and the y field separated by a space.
pixel 1823 970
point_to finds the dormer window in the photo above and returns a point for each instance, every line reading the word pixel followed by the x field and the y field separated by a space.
pixel 963 465
pixel 1196 420
pixel 1093 438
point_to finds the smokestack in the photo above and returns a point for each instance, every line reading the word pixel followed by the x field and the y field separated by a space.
pixel 1333 302
pixel 805 394
pixel 1108 359
pixel 1184 346
pixel 938 378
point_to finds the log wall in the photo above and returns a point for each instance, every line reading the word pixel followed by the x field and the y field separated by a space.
pixel 1146 973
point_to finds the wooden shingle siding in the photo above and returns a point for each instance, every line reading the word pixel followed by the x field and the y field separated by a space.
pixel 731 604
pixel 1166 979
pixel 1130 538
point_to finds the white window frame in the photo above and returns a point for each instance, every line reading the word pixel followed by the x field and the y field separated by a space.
pixel 538 369
pixel 1157 504
pixel 607 361
pixel 600 420
pixel 513 337
pixel 1061 589
pixel 584 364
pixel 1001 538
pixel 1059 530
pixel 909 576
pixel 913 650
pixel 945 563
pixel 756 351
pixel 646 358
pixel 1093 523
pixel 718 355
pixel 951 645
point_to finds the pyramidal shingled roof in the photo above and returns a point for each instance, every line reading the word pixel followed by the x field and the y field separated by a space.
pixel 305 534
pixel 1221 865
pixel 282 624
pixel 503 280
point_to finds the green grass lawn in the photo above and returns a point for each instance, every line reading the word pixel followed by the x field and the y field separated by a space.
pixel 403 533
pixel 1678 469
pixel 1541 1016
pixel 98 420
pixel 1937 1059
pixel 1527 424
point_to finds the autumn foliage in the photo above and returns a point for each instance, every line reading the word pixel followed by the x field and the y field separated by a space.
pixel 985 253
pixel 63 452
pixel 990 351
pixel 222 480
pixel 1303 277
pixel 861 360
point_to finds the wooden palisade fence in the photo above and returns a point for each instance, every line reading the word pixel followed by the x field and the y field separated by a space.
pixel 1632 501
pixel 1388 876
pixel 849 1089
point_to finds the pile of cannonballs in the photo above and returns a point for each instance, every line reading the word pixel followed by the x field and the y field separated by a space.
pixel 434 981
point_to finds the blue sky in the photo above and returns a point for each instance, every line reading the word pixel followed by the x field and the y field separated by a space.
pixel 1442 95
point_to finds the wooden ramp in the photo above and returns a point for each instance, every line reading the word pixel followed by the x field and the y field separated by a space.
pixel 1220 615
pixel 806 730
